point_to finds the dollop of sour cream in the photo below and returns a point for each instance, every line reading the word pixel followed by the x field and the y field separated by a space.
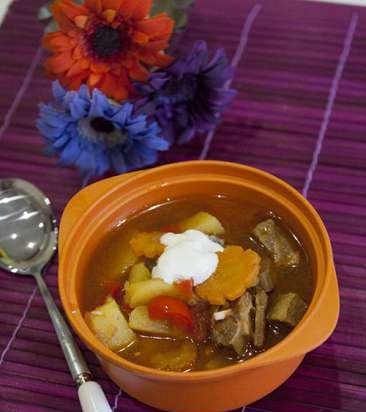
pixel 188 255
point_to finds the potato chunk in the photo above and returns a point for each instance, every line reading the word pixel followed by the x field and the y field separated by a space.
pixel 288 308
pixel 110 326
pixel 138 273
pixel 147 244
pixel 204 222
pixel 236 271
pixel 180 359
pixel 140 293
pixel 141 321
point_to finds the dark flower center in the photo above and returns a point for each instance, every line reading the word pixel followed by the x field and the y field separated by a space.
pixel 106 41
pixel 181 89
pixel 102 125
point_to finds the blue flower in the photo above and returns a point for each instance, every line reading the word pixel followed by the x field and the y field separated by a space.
pixel 190 95
pixel 96 134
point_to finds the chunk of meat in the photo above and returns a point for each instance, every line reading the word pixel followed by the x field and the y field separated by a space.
pixel 265 278
pixel 287 308
pixel 261 302
pixel 236 271
pixel 275 241
pixel 201 321
pixel 228 332
pixel 244 308
pixel 235 330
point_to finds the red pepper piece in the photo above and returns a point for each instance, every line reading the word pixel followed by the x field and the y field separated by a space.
pixel 171 309
pixel 185 287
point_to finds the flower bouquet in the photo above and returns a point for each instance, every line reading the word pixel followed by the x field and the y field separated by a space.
pixel 119 96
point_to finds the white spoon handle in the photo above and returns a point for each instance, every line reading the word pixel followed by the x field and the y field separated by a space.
pixel 91 395
pixel 92 398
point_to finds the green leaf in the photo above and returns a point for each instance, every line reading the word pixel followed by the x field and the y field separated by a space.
pixel 51 27
pixel 183 4
pixel 45 13
pixel 181 18
pixel 162 6
pixel 176 9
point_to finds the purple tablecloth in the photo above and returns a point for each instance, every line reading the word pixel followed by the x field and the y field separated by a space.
pixel 300 114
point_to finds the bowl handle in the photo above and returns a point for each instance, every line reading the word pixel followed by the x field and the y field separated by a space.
pixel 80 202
pixel 316 329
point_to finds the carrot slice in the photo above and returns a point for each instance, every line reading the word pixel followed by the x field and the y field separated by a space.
pixel 236 271
pixel 147 244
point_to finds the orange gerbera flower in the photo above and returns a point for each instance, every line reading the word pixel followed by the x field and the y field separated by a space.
pixel 106 44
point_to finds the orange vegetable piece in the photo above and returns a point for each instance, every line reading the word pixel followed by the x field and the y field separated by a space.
pixel 147 244
pixel 185 287
pixel 236 271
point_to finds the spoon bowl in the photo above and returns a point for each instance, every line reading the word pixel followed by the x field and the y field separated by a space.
pixel 28 229
pixel 28 240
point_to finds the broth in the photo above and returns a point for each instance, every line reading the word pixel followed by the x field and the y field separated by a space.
pixel 110 263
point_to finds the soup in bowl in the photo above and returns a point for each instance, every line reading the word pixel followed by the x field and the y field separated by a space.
pixel 196 284
pixel 202 280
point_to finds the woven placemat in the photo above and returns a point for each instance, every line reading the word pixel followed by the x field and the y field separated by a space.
pixel 299 114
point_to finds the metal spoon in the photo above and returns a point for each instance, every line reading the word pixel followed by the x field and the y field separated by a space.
pixel 28 240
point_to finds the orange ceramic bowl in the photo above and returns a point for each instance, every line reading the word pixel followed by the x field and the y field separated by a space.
pixel 99 207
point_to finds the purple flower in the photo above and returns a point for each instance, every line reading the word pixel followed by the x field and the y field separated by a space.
pixel 190 95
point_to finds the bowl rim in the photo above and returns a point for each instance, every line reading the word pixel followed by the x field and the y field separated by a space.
pixel 261 359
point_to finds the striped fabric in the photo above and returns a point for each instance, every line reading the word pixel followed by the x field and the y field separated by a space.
pixel 299 114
